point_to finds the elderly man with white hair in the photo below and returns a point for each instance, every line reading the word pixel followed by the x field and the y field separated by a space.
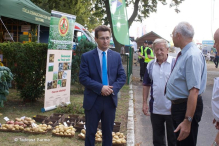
pixel 185 85
pixel 155 77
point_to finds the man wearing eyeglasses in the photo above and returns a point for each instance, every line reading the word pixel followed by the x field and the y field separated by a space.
pixel 185 85
pixel 155 77
pixel 102 75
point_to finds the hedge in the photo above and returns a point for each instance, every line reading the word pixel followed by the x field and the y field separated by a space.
pixel 28 65
pixel 82 47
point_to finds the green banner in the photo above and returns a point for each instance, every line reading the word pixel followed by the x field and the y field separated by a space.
pixel 61 31
pixel 119 21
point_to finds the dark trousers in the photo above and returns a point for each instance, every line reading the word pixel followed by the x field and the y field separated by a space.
pixel 145 66
pixel 159 130
pixel 178 115
pixel 142 68
pixel 103 109
pixel 216 62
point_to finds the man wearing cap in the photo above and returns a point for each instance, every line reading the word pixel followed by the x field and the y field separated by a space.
pixel 141 54
pixel 149 54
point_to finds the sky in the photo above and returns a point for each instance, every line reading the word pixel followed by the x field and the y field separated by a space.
pixel 203 15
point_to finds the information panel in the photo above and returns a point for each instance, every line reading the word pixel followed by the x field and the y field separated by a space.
pixel 59 58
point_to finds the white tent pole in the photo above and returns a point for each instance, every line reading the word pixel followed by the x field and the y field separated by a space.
pixel 6 29
pixel 38 33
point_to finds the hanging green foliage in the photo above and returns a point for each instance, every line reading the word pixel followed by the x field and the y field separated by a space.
pixel 5 82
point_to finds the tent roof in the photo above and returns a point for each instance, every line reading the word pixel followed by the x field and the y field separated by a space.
pixel 151 36
pixel 24 10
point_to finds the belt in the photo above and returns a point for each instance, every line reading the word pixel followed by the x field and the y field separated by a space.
pixel 178 101
pixel 182 100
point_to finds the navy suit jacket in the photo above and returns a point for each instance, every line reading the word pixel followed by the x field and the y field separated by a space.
pixel 91 77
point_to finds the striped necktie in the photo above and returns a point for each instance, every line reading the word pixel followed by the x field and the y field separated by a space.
pixel 165 90
pixel 104 69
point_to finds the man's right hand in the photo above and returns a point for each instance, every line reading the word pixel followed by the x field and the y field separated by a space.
pixel 145 109
pixel 184 127
pixel 106 90
pixel 216 124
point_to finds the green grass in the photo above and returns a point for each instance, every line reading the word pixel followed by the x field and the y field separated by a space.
pixel 14 107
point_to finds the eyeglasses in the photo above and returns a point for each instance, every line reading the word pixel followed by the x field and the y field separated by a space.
pixel 103 39
pixel 171 35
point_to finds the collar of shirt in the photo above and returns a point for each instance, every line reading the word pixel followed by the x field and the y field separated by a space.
pixel 186 48
pixel 100 52
pixel 101 56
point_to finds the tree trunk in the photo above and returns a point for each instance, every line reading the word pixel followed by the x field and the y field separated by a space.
pixel 134 14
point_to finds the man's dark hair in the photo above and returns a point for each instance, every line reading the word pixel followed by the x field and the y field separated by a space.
pixel 101 28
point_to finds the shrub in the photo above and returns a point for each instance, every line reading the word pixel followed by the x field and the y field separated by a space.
pixel 72 108
pixel 5 82
pixel 82 47
pixel 28 64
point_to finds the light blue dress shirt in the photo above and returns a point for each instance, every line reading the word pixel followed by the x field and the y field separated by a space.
pixel 100 54
pixel 190 71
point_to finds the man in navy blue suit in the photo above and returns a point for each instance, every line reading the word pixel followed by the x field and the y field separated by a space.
pixel 102 80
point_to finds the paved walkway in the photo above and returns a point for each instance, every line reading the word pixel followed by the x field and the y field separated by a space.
pixel 143 128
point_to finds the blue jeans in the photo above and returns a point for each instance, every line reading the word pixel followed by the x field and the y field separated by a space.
pixel 178 115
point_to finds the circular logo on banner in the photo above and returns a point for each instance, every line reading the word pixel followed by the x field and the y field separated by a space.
pixel 63 25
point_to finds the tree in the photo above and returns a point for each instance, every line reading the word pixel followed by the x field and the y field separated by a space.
pixel 142 9
pixel 92 13
pixel 82 9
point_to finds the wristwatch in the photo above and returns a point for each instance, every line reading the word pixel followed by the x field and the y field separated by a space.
pixel 189 118
pixel 214 143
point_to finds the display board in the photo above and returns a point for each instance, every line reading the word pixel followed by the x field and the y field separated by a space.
pixel 59 58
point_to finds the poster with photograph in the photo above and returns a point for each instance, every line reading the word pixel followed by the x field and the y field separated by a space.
pixel 59 58
pixel 58 79
pixel 61 31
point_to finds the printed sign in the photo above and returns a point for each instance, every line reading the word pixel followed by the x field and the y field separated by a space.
pixel 22 117
pixel 61 31
pixel 25 28
pixel 6 118
pixel 65 124
pixel 33 125
pixel 58 77
pixel 59 58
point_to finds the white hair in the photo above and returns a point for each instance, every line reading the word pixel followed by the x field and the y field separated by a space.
pixel 185 29
pixel 158 41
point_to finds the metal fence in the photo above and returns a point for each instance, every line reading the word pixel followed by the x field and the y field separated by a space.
pixel 127 60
